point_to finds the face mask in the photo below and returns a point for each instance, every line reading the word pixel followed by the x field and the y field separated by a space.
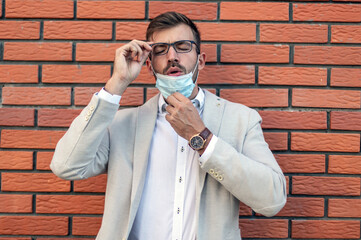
pixel 183 84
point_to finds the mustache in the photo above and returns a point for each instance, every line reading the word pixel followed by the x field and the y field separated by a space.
pixel 174 64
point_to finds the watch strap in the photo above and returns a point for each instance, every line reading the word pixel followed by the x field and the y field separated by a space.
pixel 205 133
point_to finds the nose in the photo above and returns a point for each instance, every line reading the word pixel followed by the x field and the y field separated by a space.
pixel 172 55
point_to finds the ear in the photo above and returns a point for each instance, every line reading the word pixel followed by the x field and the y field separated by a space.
pixel 149 67
pixel 202 60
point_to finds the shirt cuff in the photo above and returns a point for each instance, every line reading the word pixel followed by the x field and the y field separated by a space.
pixel 103 94
pixel 209 150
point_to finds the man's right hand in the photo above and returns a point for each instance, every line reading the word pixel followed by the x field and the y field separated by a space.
pixel 128 62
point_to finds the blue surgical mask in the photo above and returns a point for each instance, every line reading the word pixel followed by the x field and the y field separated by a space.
pixel 183 84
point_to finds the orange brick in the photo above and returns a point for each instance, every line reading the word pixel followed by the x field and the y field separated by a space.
pixel 257 97
pixel 19 30
pixel 345 34
pixel 16 117
pixel 72 238
pixel 75 73
pixel 41 139
pixel 345 186
pixel 293 120
pixel 110 9
pixel 39 51
pixel 145 77
pixel 344 208
pixel 86 225
pixel 344 164
pixel 16 160
pixel 255 53
pixel 78 30
pixel 33 225
pixel 193 10
pixel 259 11
pixel 330 229
pixel 211 52
pixel 323 12
pixel 151 92
pixel 346 120
pixel 327 55
pixel 11 203
pixel 227 31
pixel 36 95
pixel 326 98
pixel 346 77
pixel 292 76
pixel 301 163
pixel 264 228
pixel 33 182
pixel 74 204
pixel 227 74
pixel 56 117
pixel 131 30
pixel 329 142
pixel 43 160
pixel 1 10
pixel 39 9
pixel 93 184
pixel 303 207
pixel 293 33
pixel 14 238
pixel 18 73
pixel 276 141
pixel 244 210
pixel 131 97
pixel 96 52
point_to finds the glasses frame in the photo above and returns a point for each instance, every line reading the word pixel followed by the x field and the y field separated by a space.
pixel 174 43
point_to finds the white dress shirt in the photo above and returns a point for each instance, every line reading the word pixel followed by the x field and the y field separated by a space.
pixel 167 207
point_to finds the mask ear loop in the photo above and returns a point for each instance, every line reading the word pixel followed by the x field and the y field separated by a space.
pixel 195 81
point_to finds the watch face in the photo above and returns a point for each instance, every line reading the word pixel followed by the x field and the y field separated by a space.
pixel 196 142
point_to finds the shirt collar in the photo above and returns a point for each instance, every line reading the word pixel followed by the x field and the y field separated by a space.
pixel 198 102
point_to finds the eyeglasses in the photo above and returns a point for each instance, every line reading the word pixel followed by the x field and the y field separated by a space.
pixel 182 46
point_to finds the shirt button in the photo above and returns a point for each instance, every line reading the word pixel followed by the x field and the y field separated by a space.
pixel 182 149
pixel 211 171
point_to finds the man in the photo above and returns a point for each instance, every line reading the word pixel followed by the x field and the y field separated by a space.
pixel 179 165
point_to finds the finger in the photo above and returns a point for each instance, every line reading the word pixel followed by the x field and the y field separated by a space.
pixel 180 97
pixel 170 109
pixel 139 52
pixel 172 100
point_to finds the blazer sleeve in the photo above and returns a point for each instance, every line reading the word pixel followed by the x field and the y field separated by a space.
pixel 83 151
pixel 248 169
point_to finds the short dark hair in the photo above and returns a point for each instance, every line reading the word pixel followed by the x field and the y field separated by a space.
pixel 171 19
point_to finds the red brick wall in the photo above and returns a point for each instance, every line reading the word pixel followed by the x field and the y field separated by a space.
pixel 298 63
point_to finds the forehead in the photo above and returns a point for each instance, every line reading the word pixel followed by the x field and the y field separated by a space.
pixel 179 32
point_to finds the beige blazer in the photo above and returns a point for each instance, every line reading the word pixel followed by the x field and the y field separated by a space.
pixel 241 168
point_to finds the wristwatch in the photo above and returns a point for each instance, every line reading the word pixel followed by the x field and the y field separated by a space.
pixel 197 141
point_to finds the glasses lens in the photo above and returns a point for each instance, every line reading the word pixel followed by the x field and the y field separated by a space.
pixel 183 46
pixel 159 49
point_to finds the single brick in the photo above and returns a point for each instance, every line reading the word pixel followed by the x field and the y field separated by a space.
pixel 329 229
pixel 43 160
pixel 323 12
pixel 346 120
pixel 345 34
pixel 344 208
pixel 41 139
pixel 257 97
pixel 37 51
pixel 227 31
pixel 16 117
pixel 255 53
pixel 96 52
pixel 39 9
pixel 309 185
pixel 193 10
pixel 264 228
pixel 277 141
pixel 78 30
pixel 110 9
pixel 254 11
pixel 244 210
pixel 131 30
pixel 16 160
pixel 70 204
pixel 327 55
pixel 33 182
pixel 14 203
pixel 18 73
pixel 344 164
pixel 303 207
pixel 93 184
pixel 293 120
pixel 86 225
pixel 346 77
pixel 19 30
pixel 292 76
pixel 297 33
pixel 301 163
pixel 227 74
pixel 75 73
pixel 56 117
pixel 36 95
pixel 33 225
pixel 324 98
pixel 325 142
